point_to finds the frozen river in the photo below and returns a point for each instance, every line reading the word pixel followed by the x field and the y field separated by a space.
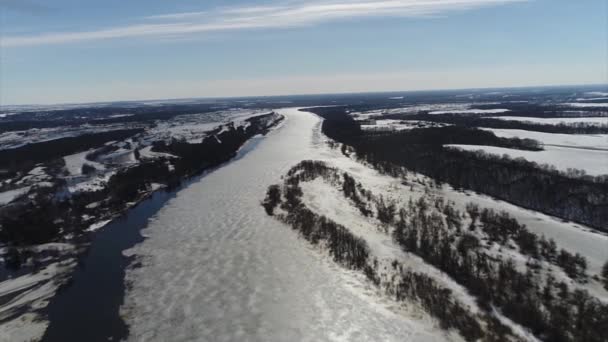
pixel 215 267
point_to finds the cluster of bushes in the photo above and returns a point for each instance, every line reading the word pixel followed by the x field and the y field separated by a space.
pixel 438 301
pixel 345 248
pixel 500 228
pixel 352 191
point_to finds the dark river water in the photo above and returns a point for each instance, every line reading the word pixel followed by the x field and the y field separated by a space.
pixel 88 308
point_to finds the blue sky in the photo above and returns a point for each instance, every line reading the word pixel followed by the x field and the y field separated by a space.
pixel 83 51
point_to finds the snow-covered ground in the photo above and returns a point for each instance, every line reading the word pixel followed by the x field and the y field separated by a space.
pixel 8 196
pixel 587 105
pixel 471 111
pixel 556 121
pixel 31 292
pixel 594 162
pixel 216 267
pixel 584 141
pixel 74 163
pixel 433 108
pixel 399 125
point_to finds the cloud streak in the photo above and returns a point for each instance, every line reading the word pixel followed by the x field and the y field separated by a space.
pixel 281 15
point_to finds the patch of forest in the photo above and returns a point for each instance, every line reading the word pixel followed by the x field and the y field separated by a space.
pixel 568 196
pixel 214 149
pixel 25 157
pixel 45 218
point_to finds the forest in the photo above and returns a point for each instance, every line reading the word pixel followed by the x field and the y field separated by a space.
pixel 571 196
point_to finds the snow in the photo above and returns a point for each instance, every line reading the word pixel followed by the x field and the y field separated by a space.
pixel 400 125
pixel 556 121
pixel 147 153
pixel 8 196
pixel 74 162
pixel 413 109
pixel 592 99
pixel 35 135
pixel 594 162
pixel 584 141
pixel 32 291
pixel 470 111
pixel 329 202
pixel 572 236
pixel 587 105
pixel 98 225
pixel 216 267
pixel 120 115
pixel 93 183
pixel 596 93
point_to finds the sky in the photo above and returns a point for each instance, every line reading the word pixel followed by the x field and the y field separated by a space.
pixel 69 51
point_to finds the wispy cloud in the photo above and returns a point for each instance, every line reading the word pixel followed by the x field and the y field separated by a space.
pixel 280 15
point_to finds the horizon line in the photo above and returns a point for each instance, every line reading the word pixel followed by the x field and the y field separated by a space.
pixel 2 106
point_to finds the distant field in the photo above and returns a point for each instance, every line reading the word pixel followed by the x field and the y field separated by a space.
pixel 557 121
pixel 594 162
pixel 592 141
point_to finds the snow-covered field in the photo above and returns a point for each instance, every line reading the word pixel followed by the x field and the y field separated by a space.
pixel 584 141
pixel 74 163
pixel 587 105
pixel 8 196
pixel 471 111
pixel 399 125
pixel 556 121
pixel 216 267
pixel 594 162
pixel 434 108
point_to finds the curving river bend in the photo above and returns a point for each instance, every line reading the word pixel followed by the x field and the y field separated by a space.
pixel 214 267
